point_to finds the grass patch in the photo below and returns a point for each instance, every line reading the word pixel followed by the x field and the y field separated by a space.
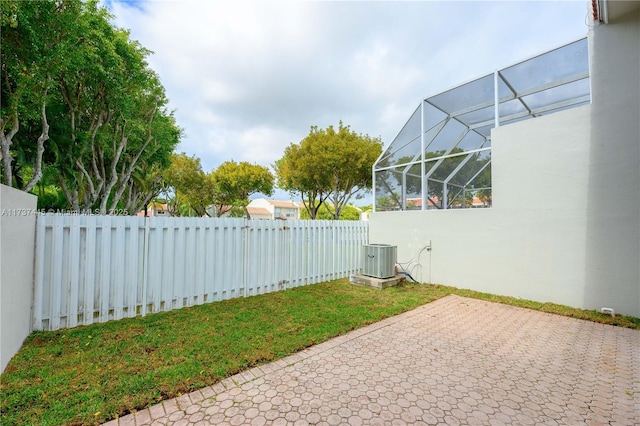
pixel 91 374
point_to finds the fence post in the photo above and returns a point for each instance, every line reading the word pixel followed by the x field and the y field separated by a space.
pixel 105 268
pixel 335 250
pixel 145 266
pixel 89 271
pixel 286 252
pixel 246 241
pixel 38 296
pixel 74 270
pixel 56 273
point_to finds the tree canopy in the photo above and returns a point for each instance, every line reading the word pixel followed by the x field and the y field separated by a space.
pixel 327 212
pixel 235 182
pixel 328 165
pixel 188 189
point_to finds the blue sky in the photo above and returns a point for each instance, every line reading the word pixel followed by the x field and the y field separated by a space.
pixel 247 78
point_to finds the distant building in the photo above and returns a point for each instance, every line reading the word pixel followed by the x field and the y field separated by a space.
pixel 434 203
pixel 262 208
pixel 156 209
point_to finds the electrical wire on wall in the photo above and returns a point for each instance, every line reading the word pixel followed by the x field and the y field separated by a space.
pixel 413 265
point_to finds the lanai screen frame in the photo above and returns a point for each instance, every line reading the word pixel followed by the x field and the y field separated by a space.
pixel 449 134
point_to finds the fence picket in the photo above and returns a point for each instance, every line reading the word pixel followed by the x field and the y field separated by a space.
pixel 119 274
pixel 214 276
pixel 219 260
pixel 89 278
pixel 105 268
pixel 133 259
pixel 56 277
pixel 38 291
pixel 165 251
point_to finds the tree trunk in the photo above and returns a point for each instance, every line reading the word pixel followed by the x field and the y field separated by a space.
pixel 71 196
pixel 127 173
pixel 5 144
pixel 44 136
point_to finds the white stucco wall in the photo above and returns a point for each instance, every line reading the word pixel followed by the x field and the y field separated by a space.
pixel 565 222
pixel 531 243
pixel 17 249
pixel 613 219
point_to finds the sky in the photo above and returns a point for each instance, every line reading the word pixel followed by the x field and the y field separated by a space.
pixel 247 78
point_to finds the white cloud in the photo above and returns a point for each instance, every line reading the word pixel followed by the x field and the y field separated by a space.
pixel 247 78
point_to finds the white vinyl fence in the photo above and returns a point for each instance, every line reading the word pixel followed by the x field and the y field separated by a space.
pixel 99 268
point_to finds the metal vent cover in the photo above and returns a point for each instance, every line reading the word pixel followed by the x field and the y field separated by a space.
pixel 379 260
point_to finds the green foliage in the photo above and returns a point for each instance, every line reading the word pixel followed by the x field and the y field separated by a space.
pixel 390 202
pixel 50 198
pixel 79 99
pixel 328 164
pixel 298 173
pixel 235 182
pixel 191 188
pixel 438 171
pixel 327 212
pixel 350 212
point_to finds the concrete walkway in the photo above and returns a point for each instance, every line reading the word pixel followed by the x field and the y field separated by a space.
pixel 454 361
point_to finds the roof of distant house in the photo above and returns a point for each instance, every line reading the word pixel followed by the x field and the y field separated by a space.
pixel 258 210
pixel 431 201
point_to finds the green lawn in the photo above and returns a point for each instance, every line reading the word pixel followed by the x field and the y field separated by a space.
pixel 91 374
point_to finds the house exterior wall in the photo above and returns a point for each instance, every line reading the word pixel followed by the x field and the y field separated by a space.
pixel 17 250
pixel 578 244
pixel 277 209
pixel 613 197
pixel 290 213
pixel 259 215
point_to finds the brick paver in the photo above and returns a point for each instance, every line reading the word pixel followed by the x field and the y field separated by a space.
pixel 455 361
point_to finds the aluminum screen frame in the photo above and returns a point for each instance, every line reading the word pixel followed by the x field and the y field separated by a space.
pixel 444 149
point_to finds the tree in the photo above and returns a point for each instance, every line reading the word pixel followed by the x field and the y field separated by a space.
pixel 116 119
pixel 235 182
pixel 79 98
pixel 34 36
pixel 189 185
pixel 297 172
pixel 328 165
pixel 143 187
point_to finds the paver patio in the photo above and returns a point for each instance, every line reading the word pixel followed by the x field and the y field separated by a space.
pixel 454 361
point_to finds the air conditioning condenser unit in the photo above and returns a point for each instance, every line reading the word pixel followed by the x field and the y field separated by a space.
pixel 379 260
